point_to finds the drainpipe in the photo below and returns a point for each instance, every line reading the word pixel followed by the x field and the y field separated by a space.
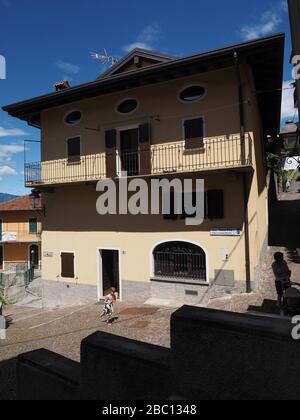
pixel 244 175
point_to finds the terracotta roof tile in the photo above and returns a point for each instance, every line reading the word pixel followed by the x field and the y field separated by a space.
pixel 17 204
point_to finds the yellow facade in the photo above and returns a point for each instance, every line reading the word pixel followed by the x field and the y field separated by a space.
pixel 72 224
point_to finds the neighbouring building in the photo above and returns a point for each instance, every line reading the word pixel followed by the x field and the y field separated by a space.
pixel 20 235
pixel 205 116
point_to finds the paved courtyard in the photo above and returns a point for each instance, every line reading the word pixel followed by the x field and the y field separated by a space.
pixel 62 331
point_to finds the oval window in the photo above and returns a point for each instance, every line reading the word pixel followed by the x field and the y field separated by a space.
pixel 127 106
pixel 192 93
pixel 73 118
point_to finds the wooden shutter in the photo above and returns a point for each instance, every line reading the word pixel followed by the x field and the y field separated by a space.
pixel 67 265
pixel 1 229
pixel 194 133
pixel 145 149
pixel 111 155
pixel 215 204
pixel 74 150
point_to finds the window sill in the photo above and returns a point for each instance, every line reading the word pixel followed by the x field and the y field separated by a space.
pixel 188 282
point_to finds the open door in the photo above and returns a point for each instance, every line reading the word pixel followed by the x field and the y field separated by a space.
pixel 34 256
pixel 110 271
pixel 1 258
pixel 129 152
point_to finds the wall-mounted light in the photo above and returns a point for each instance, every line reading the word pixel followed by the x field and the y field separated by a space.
pixel 36 202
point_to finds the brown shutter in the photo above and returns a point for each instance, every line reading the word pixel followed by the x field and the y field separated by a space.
pixel 194 133
pixel 111 156
pixel 215 204
pixel 67 265
pixel 145 149
pixel 74 150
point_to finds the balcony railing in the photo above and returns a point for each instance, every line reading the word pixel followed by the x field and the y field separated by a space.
pixel 19 235
pixel 218 153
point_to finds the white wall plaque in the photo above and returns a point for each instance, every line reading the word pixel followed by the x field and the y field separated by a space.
pixel 225 232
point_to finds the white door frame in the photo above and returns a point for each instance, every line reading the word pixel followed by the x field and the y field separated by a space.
pixel 118 145
pixel 100 271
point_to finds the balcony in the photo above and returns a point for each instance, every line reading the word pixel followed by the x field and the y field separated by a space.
pixel 226 152
pixel 19 235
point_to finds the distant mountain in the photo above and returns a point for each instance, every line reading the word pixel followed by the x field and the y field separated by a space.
pixel 6 197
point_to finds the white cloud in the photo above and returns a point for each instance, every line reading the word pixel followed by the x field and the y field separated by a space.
pixel 267 23
pixel 146 40
pixel 11 132
pixel 287 107
pixel 68 68
pixel 7 170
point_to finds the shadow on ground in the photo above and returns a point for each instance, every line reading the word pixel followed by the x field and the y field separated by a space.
pixel 268 307
pixel 8 380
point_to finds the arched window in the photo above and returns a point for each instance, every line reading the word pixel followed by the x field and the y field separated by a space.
pixel 180 261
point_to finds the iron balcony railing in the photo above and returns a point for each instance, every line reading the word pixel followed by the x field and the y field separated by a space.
pixel 217 153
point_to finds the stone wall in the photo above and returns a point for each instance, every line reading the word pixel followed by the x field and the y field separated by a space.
pixel 214 355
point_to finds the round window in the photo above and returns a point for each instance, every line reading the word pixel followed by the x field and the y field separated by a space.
pixel 73 118
pixel 127 106
pixel 192 93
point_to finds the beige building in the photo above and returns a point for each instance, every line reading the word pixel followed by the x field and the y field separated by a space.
pixel 20 234
pixel 201 117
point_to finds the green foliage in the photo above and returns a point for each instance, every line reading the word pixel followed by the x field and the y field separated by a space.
pixel 274 162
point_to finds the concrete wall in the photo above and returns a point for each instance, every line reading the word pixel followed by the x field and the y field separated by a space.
pixel 214 356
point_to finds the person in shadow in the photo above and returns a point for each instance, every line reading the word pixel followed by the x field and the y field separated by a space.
pixel 282 275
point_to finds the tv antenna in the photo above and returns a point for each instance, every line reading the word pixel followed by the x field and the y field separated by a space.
pixel 106 59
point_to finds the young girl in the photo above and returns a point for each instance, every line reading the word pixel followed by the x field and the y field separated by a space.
pixel 108 309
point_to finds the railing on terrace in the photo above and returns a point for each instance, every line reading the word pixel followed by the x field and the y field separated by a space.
pixel 217 153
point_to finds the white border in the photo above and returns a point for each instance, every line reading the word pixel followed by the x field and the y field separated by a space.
pixel 118 145
pixel 100 272
pixel 75 265
pixel 124 100
pixel 198 84
pixel 70 112
pixel 179 240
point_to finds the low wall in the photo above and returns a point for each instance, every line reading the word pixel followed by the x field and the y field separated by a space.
pixel 214 355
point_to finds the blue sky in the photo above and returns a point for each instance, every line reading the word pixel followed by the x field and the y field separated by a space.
pixel 45 41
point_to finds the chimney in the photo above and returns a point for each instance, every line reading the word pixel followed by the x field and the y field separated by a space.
pixel 62 85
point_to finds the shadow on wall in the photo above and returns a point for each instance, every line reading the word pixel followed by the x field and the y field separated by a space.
pixel 74 209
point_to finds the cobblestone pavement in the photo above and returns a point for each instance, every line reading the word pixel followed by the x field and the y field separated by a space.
pixel 62 331
pixel 284 237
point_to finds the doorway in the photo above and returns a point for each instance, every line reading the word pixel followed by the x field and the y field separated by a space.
pixel 1 258
pixel 129 152
pixel 34 257
pixel 110 270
